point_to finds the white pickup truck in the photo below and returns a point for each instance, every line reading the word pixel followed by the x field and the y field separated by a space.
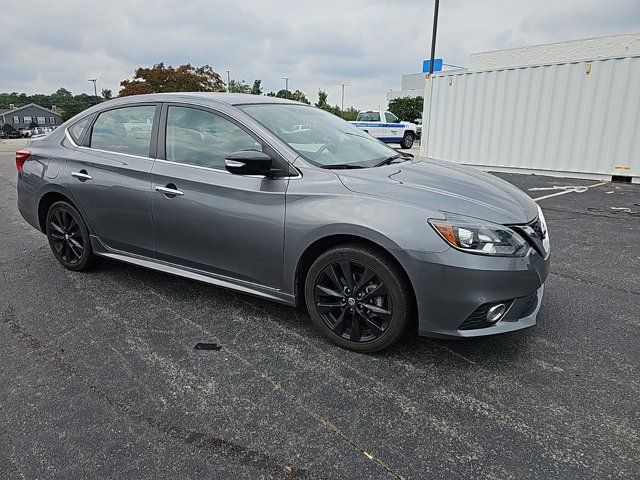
pixel 386 127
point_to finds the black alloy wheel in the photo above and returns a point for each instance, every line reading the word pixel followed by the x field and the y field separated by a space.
pixel 68 237
pixel 358 298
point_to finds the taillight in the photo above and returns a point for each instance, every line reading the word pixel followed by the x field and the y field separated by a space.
pixel 21 157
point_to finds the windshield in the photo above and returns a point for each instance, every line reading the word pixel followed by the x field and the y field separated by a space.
pixel 320 137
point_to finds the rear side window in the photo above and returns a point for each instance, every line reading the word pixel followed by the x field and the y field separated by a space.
pixel 124 130
pixel 77 130
pixel 368 117
pixel 201 138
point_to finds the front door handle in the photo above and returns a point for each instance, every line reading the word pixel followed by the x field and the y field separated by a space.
pixel 82 175
pixel 169 190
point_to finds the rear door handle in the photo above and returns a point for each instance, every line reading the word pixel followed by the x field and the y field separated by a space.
pixel 82 175
pixel 169 190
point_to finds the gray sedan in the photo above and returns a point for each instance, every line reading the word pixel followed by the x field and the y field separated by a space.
pixel 224 188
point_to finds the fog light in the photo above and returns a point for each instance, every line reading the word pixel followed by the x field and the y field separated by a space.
pixel 496 312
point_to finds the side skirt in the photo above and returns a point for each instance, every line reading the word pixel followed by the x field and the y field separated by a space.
pixel 279 296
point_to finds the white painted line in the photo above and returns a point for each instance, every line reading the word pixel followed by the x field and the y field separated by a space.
pixel 571 190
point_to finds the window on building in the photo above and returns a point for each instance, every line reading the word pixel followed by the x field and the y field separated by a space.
pixel 27 120
pixel 42 120
pixel 16 119
pixel 52 120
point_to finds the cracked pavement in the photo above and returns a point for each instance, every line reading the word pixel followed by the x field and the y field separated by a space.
pixel 99 377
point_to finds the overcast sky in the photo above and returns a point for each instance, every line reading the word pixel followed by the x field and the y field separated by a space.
pixel 318 44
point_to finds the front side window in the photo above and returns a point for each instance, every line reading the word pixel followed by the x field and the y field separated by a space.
pixel 41 121
pixel 27 120
pixel 124 130
pixel 391 118
pixel 368 117
pixel 326 141
pixel 16 119
pixel 198 137
pixel 52 120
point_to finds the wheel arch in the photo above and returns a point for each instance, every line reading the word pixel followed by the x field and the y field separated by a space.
pixel 321 245
pixel 45 202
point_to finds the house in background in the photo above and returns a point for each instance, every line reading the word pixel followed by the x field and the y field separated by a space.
pixel 21 117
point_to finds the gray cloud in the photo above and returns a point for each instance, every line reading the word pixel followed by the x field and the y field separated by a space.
pixel 319 44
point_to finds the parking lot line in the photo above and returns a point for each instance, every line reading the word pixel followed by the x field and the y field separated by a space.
pixel 571 190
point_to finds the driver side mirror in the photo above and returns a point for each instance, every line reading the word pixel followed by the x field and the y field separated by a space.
pixel 249 162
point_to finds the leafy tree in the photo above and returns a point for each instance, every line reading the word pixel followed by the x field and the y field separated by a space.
pixel 299 96
pixel 33 124
pixel 257 87
pixel 8 129
pixel 271 94
pixel 407 108
pixel 350 114
pixel 238 87
pixel 324 105
pixel 107 94
pixel 184 78
pixel 322 99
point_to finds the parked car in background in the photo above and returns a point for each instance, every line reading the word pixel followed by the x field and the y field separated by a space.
pixel 229 190
pixel 386 127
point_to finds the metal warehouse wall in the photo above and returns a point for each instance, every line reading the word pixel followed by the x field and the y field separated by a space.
pixel 565 118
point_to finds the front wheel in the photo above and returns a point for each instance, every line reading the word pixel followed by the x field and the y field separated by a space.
pixel 358 298
pixel 407 140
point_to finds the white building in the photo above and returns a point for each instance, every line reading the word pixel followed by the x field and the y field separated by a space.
pixel 567 109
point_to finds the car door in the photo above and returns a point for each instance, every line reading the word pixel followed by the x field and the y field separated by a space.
pixel 393 128
pixel 110 177
pixel 207 218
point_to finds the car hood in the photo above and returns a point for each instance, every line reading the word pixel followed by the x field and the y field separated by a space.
pixel 446 187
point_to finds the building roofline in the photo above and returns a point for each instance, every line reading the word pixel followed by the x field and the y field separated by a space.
pixel 32 105
pixel 631 34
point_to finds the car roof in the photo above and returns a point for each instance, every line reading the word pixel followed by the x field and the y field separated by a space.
pixel 222 97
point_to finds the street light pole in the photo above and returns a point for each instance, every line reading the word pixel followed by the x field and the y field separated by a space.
pixel 433 36
pixel 343 85
pixel 95 89
pixel 286 87
pixel 228 81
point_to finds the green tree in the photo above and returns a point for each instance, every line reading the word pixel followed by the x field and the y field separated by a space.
pixel 407 108
pixel 299 96
pixel 8 129
pixel 238 87
pixel 350 114
pixel 33 124
pixel 184 78
pixel 257 87
pixel 324 105
pixel 107 94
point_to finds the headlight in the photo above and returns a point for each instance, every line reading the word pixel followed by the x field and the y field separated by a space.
pixel 483 238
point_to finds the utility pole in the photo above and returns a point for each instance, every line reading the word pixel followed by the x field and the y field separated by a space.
pixel 433 36
pixel 228 81
pixel 95 89
pixel 286 87
pixel 343 85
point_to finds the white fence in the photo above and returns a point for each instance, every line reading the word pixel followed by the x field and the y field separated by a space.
pixel 579 119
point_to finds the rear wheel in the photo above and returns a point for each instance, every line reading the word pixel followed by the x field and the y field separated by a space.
pixel 358 298
pixel 69 237
pixel 407 140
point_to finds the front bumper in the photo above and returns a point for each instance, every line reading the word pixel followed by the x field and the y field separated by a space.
pixel 452 288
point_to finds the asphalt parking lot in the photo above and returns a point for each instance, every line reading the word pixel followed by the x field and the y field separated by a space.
pixel 99 377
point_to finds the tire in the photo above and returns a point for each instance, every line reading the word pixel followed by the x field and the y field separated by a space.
pixel 69 237
pixel 378 298
pixel 407 140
